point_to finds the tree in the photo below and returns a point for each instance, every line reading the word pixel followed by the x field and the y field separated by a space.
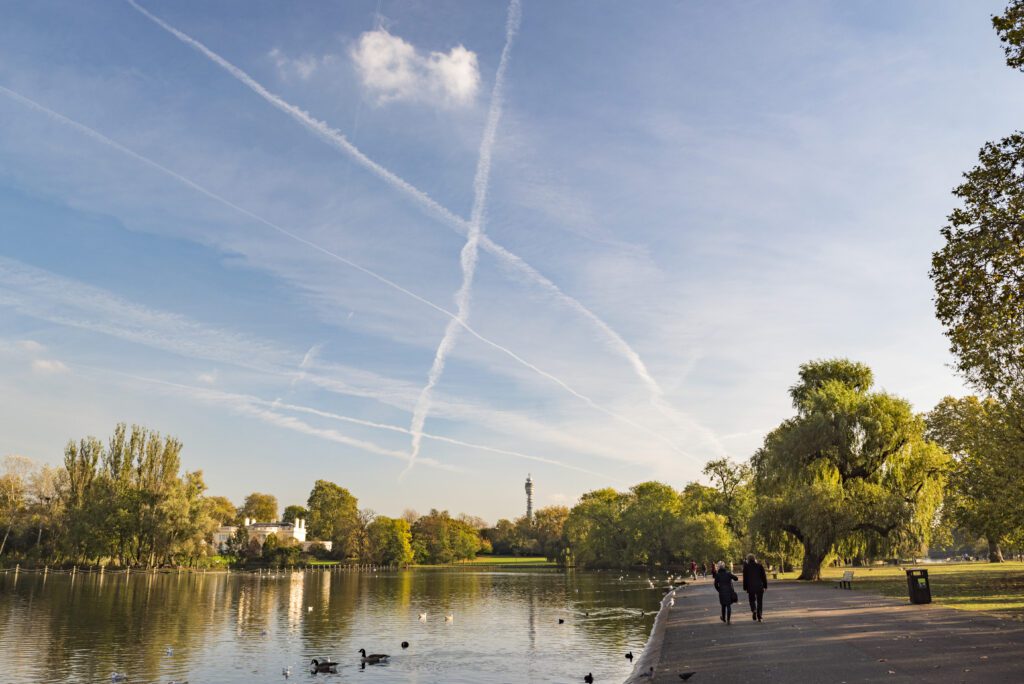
pixel 979 272
pixel 852 465
pixel 735 494
pixel 985 495
pixel 1010 28
pixel 221 510
pixel 259 507
pixel 13 500
pixel 334 515
pixel 548 530
pixel 439 538
pixel 293 513
pixel 390 541
pixel 651 519
pixel 594 530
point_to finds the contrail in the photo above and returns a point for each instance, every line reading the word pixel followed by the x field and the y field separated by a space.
pixel 470 251
pixel 337 139
pixel 99 137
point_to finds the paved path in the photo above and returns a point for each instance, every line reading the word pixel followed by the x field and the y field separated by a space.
pixel 814 633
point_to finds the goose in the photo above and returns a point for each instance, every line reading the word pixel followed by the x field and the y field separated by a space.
pixel 118 677
pixel 373 658
pixel 450 617
pixel 287 672
pixel 325 665
pixel 589 679
pixel 561 621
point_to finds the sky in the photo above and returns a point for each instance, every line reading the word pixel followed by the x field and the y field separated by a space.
pixel 424 249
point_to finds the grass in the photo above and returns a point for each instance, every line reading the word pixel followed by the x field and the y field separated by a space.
pixel 996 588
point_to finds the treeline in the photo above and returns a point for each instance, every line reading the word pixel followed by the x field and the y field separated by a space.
pixel 126 502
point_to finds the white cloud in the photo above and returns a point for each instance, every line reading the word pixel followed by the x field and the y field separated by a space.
pixel 303 67
pixel 48 366
pixel 394 70
pixel 208 378
pixel 30 346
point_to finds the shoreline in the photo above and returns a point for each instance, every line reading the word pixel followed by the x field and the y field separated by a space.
pixel 651 655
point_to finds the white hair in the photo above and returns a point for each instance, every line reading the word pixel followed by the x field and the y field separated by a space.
pixel 720 565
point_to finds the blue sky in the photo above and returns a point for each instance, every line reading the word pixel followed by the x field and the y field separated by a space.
pixel 684 202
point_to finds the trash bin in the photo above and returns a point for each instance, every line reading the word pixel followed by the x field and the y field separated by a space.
pixel 918 587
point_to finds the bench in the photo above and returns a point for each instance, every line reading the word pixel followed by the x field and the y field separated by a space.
pixel 846 582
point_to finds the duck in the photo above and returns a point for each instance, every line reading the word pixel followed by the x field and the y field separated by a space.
pixel 450 617
pixel 561 621
pixel 169 651
pixel 373 658
pixel 405 644
pixel 629 656
pixel 287 672
pixel 589 679
pixel 325 665
pixel 118 677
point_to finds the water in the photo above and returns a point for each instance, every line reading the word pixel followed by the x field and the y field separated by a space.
pixel 241 627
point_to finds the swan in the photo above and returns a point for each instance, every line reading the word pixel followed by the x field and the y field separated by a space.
pixel 423 617
pixel 671 602
pixel 373 658
pixel 449 617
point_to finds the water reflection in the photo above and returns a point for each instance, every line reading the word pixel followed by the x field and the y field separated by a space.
pixel 244 627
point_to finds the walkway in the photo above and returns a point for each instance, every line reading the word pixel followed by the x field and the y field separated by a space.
pixel 814 633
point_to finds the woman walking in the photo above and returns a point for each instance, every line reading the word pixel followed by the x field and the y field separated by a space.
pixel 726 594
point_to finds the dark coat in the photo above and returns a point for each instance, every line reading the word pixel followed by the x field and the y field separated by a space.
pixel 723 583
pixel 754 578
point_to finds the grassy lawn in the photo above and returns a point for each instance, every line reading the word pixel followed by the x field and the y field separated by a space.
pixel 991 587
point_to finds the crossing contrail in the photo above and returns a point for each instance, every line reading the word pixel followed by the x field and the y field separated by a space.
pixel 338 140
pixel 470 251
pixel 99 137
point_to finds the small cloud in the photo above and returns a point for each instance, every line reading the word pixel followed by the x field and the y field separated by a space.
pixel 208 378
pixel 48 366
pixel 558 498
pixel 395 70
pixel 303 67
pixel 30 346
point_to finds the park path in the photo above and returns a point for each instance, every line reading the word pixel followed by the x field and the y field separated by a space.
pixel 814 633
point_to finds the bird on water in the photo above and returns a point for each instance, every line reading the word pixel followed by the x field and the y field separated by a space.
pixel 589 679
pixel 373 658
pixel 629 656
pixel 405 644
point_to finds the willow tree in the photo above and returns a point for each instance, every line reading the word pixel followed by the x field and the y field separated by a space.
pixel 852 464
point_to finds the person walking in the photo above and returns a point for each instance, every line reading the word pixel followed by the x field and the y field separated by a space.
pixel 726 594
pixel 755 582
pixel 693 569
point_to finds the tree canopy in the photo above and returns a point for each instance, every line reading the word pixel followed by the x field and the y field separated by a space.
pixel 852 468
pixel 259 507
pixel 1010 27
pixel 334 515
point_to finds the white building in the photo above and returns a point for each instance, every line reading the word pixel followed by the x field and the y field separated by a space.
pixel 285 532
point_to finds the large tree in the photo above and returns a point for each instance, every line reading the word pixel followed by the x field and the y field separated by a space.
pixel 334 516
pixel 979 272
pixel 390 541
pixel 985 495
pixel 851 464
pixel 259 507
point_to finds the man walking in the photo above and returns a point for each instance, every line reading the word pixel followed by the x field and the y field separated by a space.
pixel 755 582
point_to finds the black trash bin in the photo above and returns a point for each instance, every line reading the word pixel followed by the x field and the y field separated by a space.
pixel 917 585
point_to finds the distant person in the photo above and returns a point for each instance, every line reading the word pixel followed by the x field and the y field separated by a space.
pixel 726 594
pixel 693 569
pixel 755 582
pixel 704 569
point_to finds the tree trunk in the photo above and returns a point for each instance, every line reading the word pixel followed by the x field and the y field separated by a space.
pixel 995 554
pixel 813 559
pixel 8 532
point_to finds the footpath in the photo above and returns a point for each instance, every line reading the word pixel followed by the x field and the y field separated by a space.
pixel 814 633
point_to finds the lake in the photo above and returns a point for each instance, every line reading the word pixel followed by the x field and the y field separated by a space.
pixel 243 627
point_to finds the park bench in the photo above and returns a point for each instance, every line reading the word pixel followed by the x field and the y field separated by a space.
pixel 846 582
